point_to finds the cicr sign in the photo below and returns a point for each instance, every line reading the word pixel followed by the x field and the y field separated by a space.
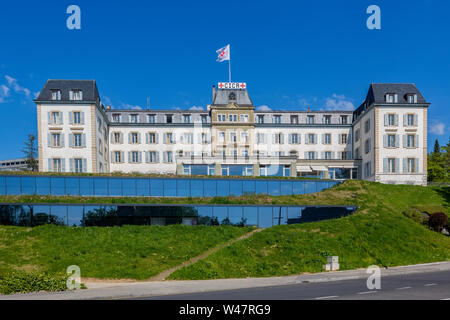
pixel 232 85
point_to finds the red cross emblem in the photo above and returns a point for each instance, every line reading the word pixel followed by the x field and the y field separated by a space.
pixel 242 85
pixel 221 85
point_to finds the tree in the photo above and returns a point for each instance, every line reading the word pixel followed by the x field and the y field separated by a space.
pixel 437 148
pixel 30 151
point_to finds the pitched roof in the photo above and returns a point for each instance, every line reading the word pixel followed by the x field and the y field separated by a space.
pixel 242 98
pixel 88 87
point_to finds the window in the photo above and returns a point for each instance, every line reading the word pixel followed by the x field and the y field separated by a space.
pixel 311 138
pixel 391 98
pixel 391 141
pixel 411 165
pixel 152 157
pixel 357 153
pixel 260 138
pixel 169 138
pixel 345 155
pixel 327 119
pixel 411 98
pixel 232 136
pixel 77 140
pixel 188 138
pixel 204 138
pixel 168 118
pixel 311 155
pixel 204 118
pixel 151 118
pixel 327 155
pixel 367 146
pixel 277 119
pixel 151 138
pixel 244 117
pixel 244 137
pixel 344 119
pixel 117 137
pixel 232 118
pixel 327 138
pixel 368 169
pixel 233 152
pixel 56 165
pixel 357 135
pixel 116 118
pixel 391 165
pixel 221 117
pixel 56 118
pixel 186 118
pixel 56 140
pixel 245 152
pixel 278 138
pixel 134 138
pixel 344 138
pixel 169 157
pixel 391 120
pixel 76 95
pixel 260 119
pixel 310 120
pixel 367 126
pixel 411 141
pixel 221 136
pixel 117 157
pixel 77 117
pixel 133 118
pixel 135 157
pixel 294 119
pixel 294 138
pixel 78 165
pixel 56 94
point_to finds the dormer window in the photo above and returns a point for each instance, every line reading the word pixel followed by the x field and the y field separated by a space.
pixel 116 118
pixel 411 98
pixel 133 118
pixel 232 96
pixel 391 98
pixel 186 118
pixel 56 94
pixel 75 95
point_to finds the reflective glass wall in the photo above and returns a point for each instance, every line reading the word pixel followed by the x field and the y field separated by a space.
pixel 156 187
pixel 118 215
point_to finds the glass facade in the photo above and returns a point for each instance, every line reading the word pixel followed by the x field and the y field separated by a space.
pixel 156 187
pixel 117 215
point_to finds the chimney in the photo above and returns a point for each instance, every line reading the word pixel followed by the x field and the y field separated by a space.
pixel 214 92
pixel 108 107
pixel 309 109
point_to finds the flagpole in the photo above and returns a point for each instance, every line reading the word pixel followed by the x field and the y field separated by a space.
pixel 229 64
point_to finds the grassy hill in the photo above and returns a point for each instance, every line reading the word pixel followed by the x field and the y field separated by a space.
pixel 377 234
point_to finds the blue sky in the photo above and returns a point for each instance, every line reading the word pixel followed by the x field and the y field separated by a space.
pixel 292 54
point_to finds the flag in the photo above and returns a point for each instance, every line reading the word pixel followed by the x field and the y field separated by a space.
pixel 223 54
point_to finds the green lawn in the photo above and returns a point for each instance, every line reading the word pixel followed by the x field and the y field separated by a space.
pixel 130 252
pixel 377 234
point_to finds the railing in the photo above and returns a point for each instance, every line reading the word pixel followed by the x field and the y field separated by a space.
pixel 155 187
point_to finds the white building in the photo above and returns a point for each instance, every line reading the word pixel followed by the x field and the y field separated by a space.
pixel 384 140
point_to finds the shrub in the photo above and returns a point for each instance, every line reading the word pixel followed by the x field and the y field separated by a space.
pixel 438 221
pixel 22 282
pixel 413 214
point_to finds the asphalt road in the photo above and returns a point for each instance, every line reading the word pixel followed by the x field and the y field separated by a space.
pixel 423 286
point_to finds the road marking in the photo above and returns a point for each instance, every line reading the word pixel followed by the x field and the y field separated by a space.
pixel 430 284
pixel 367 292
pixel 329 297
pixel 403 288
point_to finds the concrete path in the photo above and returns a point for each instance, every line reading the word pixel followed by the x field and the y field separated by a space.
pixel 161 288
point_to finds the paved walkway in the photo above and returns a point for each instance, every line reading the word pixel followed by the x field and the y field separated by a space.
pixel 161 288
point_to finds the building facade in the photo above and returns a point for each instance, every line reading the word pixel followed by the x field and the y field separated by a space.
pixel 384 140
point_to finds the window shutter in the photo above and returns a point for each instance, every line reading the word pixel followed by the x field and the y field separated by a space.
pixel 396 98
pixel 140 157
pixel 397 165
pixel 396 120
pixel 397 141
pixel 129 138
pixel 338 155
pixel 63 165
pixel 121 138
pixel 156 137
pixel 71 164
pixel 70 117
pixel 164 157
pixel 50 165
pixel 49 140
pixel 385 120
pixel 315 138
pixel 147 138
pixel 112 137
pixel 316 155
pixel 62 140
pixel 84 165
pixel 112 158
pixel 61 120
pixel 417 142
pixel 322 155
pixel 122 156
pixel 83 137
pixel 306 155
pixel 157 156
pixel 404 140
pixel 349 138
pixel 385 165
pixel 416 120
pixel 282 138
pixel 49 115
pixel 415 98
pixel 299 138
pixel 405 123
pixel 405 169
pixel 146 156
pixel 417 165
pixel 385 141
pixel 139 138
pixel 174 137
pixel 82 117
pixel 340 138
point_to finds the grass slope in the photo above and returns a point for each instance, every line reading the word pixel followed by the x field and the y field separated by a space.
pixel 377 234
pixel 130 252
